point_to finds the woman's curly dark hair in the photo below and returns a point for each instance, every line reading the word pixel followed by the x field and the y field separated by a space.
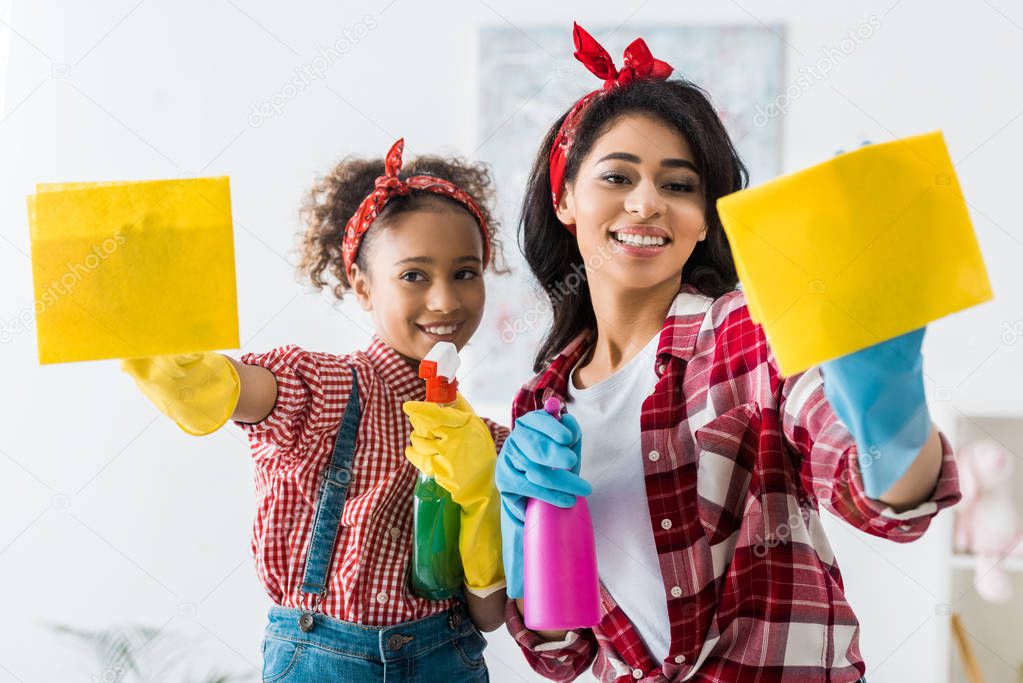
pixel 335 197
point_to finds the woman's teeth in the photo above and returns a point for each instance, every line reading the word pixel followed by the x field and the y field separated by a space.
pixel 639 240
pixel 440 330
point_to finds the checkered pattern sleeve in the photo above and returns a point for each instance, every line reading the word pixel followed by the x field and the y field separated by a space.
pixel 497 432
pixel 558 661
pixel 829 469
pixel 312 390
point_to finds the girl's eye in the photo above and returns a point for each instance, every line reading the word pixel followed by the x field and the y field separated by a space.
pixel 412 276
pixel 467 274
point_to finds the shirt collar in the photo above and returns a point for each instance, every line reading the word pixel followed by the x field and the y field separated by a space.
pixel 682 326
pixel 400 377
pixel 678 339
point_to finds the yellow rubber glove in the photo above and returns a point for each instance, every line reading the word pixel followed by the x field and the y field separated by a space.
pixel 453 445
pixel 199 391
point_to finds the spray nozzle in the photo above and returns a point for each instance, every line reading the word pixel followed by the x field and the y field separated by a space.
pixel 438 369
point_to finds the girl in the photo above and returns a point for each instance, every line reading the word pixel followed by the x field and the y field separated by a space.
pixel 705 496
pixel 332 533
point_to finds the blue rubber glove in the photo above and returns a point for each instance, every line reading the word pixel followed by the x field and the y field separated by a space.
pixel 878 393
pixel 540 459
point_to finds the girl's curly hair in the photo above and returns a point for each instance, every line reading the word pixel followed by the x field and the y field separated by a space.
pixel 335 197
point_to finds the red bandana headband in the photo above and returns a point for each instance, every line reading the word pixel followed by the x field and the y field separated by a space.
pixel 637 64
pixel 389 186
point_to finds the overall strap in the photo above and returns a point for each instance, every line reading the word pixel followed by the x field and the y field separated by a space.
pixel 331 503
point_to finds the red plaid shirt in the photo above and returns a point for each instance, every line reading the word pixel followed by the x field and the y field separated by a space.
pixel 737 462
pixel 291 447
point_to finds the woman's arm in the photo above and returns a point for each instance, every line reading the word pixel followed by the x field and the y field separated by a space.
pixel 257 392
pixel 546 635
pixel 917 483
pixel 831 467
pixel 558 660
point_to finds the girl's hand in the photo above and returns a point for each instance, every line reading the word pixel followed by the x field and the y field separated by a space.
pixel 451 444
pixel 199 391
pixel 878 393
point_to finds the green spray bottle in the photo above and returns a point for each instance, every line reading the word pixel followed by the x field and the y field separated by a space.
pixel 436 571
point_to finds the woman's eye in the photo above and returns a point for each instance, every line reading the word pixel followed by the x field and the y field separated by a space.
pixel 681 187
pixel 614 178
pixel 467 274
pixel 412 276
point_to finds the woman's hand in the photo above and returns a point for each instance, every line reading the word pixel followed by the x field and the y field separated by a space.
pixel 540 459
pixel 878 393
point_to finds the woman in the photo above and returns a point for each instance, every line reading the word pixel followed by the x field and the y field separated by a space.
pixel 705 492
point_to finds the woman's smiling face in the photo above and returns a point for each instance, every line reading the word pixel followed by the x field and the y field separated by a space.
pixel 637 202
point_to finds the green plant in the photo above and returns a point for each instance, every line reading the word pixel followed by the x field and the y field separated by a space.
pixel 136 654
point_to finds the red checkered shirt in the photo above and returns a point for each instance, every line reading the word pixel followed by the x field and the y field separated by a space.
pixel 737 463
pixel 368 581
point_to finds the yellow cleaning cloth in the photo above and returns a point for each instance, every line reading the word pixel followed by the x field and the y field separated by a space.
pixel 127 269
pixel 856 250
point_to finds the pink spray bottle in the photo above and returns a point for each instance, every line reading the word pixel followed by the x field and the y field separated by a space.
pixel 560 583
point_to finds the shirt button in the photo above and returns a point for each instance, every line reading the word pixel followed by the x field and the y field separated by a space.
pixel 381 597
pixel 660 368
pixel 679 659
pixel 637 674
pixel 395 532
pixel 676 592
pixel 665 524
pixel 654 456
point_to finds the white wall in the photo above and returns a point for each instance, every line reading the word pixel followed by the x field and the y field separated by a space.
pixel 111 514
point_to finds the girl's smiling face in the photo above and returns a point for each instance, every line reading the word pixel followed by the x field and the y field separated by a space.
pixel 638 204
pixel 424 279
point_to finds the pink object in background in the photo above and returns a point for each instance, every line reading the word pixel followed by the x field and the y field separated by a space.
pixel 561 590
pixel 987 523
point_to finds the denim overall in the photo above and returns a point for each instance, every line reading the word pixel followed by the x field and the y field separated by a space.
pixel 303 646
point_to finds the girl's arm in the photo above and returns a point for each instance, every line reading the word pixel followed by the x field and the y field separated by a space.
pixel 199 391
pixel 257 392
pixel 487 613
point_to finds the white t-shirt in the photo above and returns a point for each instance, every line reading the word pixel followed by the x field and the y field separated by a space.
pixel 612 462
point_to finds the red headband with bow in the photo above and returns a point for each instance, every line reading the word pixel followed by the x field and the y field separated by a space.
pixel 389 186
pixel 637 63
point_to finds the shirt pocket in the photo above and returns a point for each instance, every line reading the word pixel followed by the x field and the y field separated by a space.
pixel 358 508
pixel 380 488
pixel 744 482
pixel 725 469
